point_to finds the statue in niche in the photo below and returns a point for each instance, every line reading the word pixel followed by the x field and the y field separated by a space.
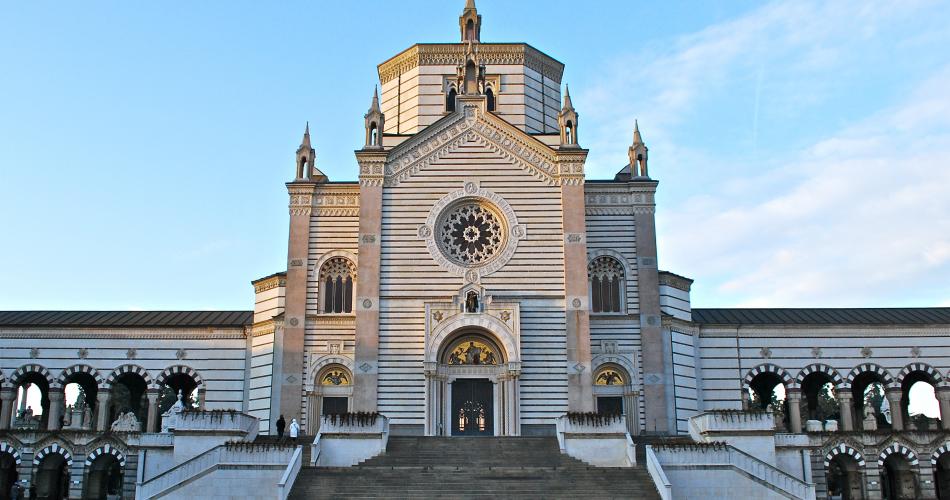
pixel 471 302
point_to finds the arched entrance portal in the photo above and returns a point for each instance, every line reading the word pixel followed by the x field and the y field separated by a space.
pixel 52 477
pixel 472 386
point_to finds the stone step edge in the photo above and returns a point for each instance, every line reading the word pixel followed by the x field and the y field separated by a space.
pixel 578 468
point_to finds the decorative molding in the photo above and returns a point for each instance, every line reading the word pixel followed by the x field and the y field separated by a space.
pixel 899 449
pixel 128 368
pixel 620 199
pixel 833 374
pixel 519 54
pixel 471 125
pixel 105 450
pixel 178 370
pixel 67 373
pixel 787 379
pixel 123 333
pixel 885 376
pixel 32 368
pixel 269 283
pixel 54 448
pixel 11 450
pixel 847 450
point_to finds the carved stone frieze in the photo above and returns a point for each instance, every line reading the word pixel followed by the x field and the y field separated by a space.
pixel 337 203
pixel 624 199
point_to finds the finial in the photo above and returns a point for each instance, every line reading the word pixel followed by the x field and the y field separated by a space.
pixel 374 106
pixel 306 136
pixel 636 133
pixel 567 97
pixel 469 4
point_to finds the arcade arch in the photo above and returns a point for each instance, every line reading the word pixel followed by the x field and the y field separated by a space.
pixel 80 385
pixel 51 475
pixel 844 473
pixel 33 382
pixel 104 473
pixel 898 467
pixel 869 384
pixel 768 387
pixel 9 462
pixel 819 387
pixel 918 384
pixel 127 390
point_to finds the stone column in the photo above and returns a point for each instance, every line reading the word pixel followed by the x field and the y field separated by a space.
pixel 846 409
pixel 897 413
pixel 287 385
pixel 580 380
pixel 366 305
pixel 656 351
pixel 152 422
pixel 26 387
pixel 794 399
pixel 7 400
pixel 943 396
pixel 56 398
pixel 102 406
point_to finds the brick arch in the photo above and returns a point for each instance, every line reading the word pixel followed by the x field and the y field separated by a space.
pixel 128 368
pixel 32 368
pixel 176 370
pixel 844 449
pixel 939 452
pixel 899 449
pixel 873 368
pixel 107 449
pixel 72 370
pixel 11 450
pixel 821 368
pixel 935 376
pixel 54 448
pixel 787 379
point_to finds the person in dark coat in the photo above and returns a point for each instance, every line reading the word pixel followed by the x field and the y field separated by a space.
pixel 280 427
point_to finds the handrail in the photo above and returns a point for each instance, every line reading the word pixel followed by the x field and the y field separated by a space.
pixel 146 487
pixel 286 482
pixel 662 483
pixel 728 454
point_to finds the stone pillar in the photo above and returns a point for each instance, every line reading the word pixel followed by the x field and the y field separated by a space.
pixel 25 387
pixel 632 407
pixel 152 422
pixel 56 398
pixel 366 305
pixel 287 385
pixel 7 401
pixel 656 351
pixel 102 406
pixel 580 380
pixel 943 396
pixel 897 413
pixel 794 399
pixel 846 409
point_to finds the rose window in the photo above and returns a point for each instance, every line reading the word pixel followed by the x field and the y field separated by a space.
pixel 471 234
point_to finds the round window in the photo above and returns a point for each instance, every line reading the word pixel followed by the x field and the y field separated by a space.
pixel 471 233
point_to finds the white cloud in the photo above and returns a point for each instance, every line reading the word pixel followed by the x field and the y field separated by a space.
pixel 860 216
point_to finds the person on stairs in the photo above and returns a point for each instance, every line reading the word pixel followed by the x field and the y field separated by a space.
pixel 280 427
pixel 294 429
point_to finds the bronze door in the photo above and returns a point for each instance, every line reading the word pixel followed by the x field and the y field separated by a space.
pixel 472 409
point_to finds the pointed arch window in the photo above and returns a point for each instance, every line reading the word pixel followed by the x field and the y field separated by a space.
pixel 606 276
pixel 490 98
pixel 450 99
pixel 337 277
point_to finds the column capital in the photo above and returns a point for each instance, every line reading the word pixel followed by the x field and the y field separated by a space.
pixel 844 396
pixel 793 394
pixel 8 393
pixel 55 394
pixel 894 393
pixel 942 394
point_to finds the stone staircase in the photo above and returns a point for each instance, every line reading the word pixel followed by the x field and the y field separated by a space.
pixel 473 467
pixel 302 440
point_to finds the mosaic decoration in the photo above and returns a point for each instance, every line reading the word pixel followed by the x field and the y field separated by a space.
pixel 473 352
pixel 608 376
pixel 335 377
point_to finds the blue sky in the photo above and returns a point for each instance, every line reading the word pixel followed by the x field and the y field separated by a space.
pixel 802 148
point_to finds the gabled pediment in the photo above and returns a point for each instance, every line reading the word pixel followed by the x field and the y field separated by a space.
pixel 471 124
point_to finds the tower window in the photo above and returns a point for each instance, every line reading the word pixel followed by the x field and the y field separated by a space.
pixel 470 30
pixel 490 98
pixel 336 278
pixel 450 100
pixel 373 135
pixel 606 285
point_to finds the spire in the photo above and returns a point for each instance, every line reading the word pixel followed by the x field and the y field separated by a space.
pixel 305 143
pixel 470 23
pixel 374 106
pixel 567 121
pixel 375 120
pixel 638 154
pixel 567 97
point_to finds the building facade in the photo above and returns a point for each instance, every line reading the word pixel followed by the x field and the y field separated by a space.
pixel 473 281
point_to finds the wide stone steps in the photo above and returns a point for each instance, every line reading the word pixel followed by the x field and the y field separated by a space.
pixel 510 467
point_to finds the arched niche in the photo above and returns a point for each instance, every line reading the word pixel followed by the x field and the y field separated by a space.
pixel 330 391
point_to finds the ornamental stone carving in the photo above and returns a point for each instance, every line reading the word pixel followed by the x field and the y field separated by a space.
pixel 472 232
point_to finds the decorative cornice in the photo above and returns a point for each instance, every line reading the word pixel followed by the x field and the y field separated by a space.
pixel 337 202
pixel 675 281
pixel 340 320
pixel 372 166
pixel 454 54
pixel 265 327
pixel 301 197
pixel 620 199
pixel 134 333
pixel 270 283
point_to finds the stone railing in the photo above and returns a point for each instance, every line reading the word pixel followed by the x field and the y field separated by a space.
pixel 662 483
pixel 247 454
pixel 698 455
pixel 347 439
pixel 286 482
pixel 732 421
pixel 217 421
pixel 151 440
pixel 600 440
